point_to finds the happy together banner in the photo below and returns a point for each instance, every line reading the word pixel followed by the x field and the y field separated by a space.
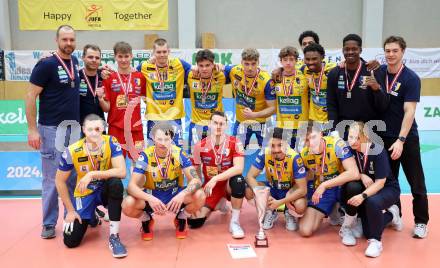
pixel 94 14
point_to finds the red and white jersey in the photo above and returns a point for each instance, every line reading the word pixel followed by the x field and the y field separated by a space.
pixel 218 158
pixel 121 94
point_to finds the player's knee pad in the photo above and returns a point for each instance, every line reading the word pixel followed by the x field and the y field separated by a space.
pixel 74 238
pixel 238 186
pixel 353 188
pixel 71 242
pixel 196 223
pixel 115 188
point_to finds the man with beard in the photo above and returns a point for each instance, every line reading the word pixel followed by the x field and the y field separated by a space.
pixel 55 81
pixel 286 177
pixel 90 87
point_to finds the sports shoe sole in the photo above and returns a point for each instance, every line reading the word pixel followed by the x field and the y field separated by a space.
pixel 117 255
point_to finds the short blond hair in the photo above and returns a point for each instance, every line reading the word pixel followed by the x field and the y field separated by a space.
pixel 250 54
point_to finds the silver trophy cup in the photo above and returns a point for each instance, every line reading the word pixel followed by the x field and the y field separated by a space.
pixel 261 198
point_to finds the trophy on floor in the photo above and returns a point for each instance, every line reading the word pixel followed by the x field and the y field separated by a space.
pixel 261 197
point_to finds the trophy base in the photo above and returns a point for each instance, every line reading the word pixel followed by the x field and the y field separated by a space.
pixel 261 242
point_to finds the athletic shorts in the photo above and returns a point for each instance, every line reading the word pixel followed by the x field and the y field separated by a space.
pixel 277 193
pixel 85 206
pixel 164 196
pixel 137 136
pixel 328 200
pixel 218 193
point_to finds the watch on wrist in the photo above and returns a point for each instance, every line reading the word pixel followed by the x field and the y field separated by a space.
pixel 402 138
pixel 364 195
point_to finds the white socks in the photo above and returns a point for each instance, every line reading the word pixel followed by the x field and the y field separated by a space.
pixel 114 227
pixel 235 215
pixel 349 220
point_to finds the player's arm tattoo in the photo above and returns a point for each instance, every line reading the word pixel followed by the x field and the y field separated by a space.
pixel 193 185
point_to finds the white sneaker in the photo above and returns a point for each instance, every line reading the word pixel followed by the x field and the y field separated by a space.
pixel 348 238
pixel 291 222
pixel 269 219
pixel 374 248
pixel 396 222
pixel 335 217
pixel 420 230
pixel 356 229
pixel 236 230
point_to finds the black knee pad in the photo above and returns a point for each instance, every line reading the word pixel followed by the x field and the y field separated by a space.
pixel 238 186
pixel 71 243
pixel 115 188
pixel 196 223
pixel 353 188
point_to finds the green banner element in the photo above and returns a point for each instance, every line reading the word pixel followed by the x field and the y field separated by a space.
pixel 13 117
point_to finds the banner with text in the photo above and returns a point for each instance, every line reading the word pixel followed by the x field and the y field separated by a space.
pixel 425 62
pixel 94 14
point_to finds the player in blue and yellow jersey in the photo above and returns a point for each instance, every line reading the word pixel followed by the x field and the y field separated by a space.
pixel 206 94
pixel 286 177
pixel 330 164
pixel 100 166
pixel 165 80
pixel 157 184
pixel 316 70
pixel 254 96
pixel 292 96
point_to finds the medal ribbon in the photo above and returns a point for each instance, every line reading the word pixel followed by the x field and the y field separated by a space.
pixel 89 85
pixel 390 86
pixel 356 75
pixel 69 73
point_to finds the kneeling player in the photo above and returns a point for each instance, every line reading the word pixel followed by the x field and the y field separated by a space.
pixel 286 177
pixel 330 163
pixel 100 166
pixel 161 190
pixel 221 159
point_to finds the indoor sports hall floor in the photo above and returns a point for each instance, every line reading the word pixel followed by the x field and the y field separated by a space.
pixel 21 245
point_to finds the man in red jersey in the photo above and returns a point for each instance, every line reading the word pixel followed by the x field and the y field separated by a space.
pixel 123 90
pixel 221 159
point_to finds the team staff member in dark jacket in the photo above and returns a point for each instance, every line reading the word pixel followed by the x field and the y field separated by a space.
pixel 348 97
pixel 401 137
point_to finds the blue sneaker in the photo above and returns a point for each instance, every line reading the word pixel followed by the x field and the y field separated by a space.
pixel 117 248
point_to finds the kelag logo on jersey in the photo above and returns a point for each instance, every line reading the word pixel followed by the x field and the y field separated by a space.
pixel 245 100
pixel 165 184
pixel 165 92
pixel 209 103
pixel 289 104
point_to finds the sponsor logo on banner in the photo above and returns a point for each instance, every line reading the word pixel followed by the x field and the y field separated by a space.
pixel 94 15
